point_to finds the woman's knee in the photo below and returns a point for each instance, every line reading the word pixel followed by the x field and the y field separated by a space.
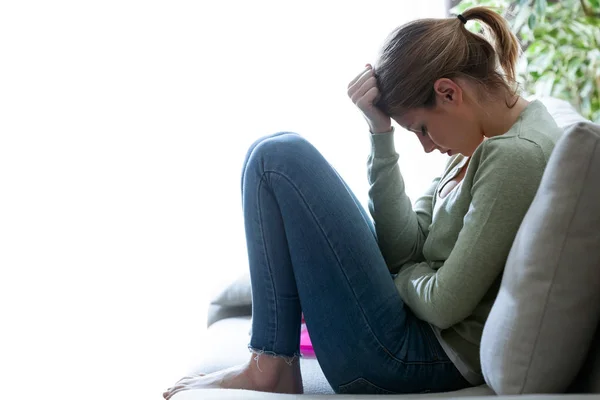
pixel 281 145
pixel 259 148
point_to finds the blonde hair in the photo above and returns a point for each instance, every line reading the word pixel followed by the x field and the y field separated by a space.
pixel 417 54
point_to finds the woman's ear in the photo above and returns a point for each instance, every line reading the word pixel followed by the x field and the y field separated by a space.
pixel 447 92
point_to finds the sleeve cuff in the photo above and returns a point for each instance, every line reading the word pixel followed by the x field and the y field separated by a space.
pixel 382 144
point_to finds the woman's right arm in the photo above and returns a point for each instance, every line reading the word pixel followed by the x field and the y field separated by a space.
pixel 401 229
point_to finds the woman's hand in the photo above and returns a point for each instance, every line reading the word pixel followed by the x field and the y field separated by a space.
pixel 364 92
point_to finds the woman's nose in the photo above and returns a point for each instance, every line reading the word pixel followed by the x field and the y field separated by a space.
pixel 428 145
pixel 429 149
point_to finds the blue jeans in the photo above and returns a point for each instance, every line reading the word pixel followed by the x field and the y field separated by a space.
pixel 312 248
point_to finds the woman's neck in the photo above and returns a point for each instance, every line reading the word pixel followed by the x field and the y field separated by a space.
pixel 497 118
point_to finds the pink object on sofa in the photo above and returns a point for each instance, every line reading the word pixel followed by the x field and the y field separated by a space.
pixel 306 348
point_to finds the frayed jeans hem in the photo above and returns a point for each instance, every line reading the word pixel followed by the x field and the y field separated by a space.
pixel 288 359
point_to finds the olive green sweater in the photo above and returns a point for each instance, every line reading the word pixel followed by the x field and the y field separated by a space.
pixel 450 252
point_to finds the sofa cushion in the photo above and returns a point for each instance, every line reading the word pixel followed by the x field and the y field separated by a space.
pixel 564 114
pixel 222 394
pixel 217 312
pixel 235 294
pixel 544 318
pixel 226 344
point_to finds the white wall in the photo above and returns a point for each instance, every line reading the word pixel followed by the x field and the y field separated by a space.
pixel 123 126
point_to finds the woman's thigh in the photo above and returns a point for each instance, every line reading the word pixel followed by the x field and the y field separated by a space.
pixel 362 332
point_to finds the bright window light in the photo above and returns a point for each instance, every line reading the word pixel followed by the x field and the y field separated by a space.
pixel 124 125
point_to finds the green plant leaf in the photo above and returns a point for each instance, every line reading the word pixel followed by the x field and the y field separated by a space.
pixel 521 18
pixel 535 49
pixel 587 88
pixel 573 66
pixel 594 4
pixel 543 62
pixel 531 21
pixel 543 33
pixel 544 85
pixel 586 105
pixel 540 7
pixel 462 6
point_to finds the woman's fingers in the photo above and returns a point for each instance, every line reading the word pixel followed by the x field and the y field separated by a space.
pixel 358 84
pixel 368 84
pixel 368 99
pixel 353 81
pixel 364 92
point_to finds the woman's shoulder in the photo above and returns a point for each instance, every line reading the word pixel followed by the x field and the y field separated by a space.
pixel 511 155
pixel 512 165
pixel 535 129
pixel 530 141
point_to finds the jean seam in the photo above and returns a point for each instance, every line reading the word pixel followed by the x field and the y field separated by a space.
pixel 262 235
pixel 352 382
pixel 385 349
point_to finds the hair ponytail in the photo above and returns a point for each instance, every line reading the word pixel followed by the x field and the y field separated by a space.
pixel 501 37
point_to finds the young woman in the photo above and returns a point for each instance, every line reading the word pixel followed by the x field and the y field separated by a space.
pixel 395 304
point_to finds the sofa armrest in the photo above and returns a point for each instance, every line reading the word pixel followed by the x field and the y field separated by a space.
pixel 234 300
pixel 218 312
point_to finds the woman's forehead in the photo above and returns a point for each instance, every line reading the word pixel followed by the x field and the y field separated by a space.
pixel 407 119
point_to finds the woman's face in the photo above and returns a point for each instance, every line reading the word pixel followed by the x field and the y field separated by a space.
pixel 436 129
pixel 450 127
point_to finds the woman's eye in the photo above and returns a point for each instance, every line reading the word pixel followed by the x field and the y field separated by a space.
pixel 423 130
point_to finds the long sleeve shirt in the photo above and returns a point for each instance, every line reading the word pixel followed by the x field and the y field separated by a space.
pixel 450 252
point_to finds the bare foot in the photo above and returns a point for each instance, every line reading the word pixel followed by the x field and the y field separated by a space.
pixel 269 375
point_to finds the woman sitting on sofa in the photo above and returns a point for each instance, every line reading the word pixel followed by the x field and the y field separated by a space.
pixel 395 304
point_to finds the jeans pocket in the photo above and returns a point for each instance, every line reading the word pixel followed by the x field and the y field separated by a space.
pixel 362 386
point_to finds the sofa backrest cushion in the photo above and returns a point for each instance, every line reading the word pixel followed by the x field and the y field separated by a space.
pixel 542 323
pixel 564 114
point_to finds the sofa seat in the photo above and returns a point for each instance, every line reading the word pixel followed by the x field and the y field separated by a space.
pixel 229 339
pixel 220 394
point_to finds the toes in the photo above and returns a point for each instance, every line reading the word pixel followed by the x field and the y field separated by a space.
pixel 180 385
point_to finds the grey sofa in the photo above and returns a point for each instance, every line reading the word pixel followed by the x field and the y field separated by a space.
pixel 551 357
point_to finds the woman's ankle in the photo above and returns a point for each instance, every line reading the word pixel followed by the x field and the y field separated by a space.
pixel 275 374
pixel 270 370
